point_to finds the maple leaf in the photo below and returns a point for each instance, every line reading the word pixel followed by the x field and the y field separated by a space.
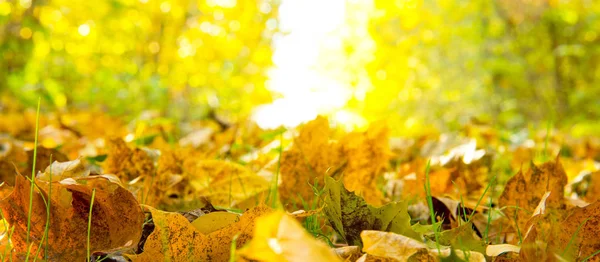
pixel 308 161
pixel 350 214
pixel 116 217
pixel 368 155
pixel 523 192
pixel 278 237
pixel 126 163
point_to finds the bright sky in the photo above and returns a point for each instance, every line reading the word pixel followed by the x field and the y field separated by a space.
pixel 304 88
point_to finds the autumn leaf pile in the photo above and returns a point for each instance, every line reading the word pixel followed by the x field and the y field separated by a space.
pixel 154 189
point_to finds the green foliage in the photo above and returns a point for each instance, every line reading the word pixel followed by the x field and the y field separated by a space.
pixel 510 62
pixel 133 55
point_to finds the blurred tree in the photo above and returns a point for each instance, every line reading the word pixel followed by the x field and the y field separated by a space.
pixel 130 55
pixel 507 61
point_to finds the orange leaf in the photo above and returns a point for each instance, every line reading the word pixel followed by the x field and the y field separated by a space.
pixel 116 217
pixel 523 192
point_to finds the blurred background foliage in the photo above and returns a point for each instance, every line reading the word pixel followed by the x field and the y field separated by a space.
pixel 419 64
pixel 129 55
pixel 508 62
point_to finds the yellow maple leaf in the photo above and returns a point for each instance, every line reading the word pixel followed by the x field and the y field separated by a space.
pixel 308 161
pixel 278 237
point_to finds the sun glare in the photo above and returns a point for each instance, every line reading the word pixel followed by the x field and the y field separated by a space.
pixel 303 89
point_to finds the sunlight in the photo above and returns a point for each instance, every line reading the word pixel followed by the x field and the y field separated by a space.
pixel 304 89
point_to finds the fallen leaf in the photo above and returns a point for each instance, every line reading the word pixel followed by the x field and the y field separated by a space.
pixel 63 170
pixel 175 239
pixel 497 250
pixel 368 155
pixel 350 214
pixel 12 156
pixel 278 237
pixel 401 248
pixel 523 192
pixel 116 217
pixel 577 235
pixel 307 162
pixel 127 163
pixel 214 221
pixel 224 183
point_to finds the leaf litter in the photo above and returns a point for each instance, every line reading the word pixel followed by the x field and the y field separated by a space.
pixel 221 192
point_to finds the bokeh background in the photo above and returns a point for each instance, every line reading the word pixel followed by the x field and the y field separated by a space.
pixel 421 65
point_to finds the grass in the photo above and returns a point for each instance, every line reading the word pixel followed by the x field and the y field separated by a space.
pixel 436 230
pixel 311 223
pixel 481 197
pixel 274 185
pixel 37 126
pixel 573 236
pixel 89 226
pixel 489 222
pixel 47 203
pixel 233 248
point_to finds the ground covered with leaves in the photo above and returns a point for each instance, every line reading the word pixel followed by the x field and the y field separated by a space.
pixel 92 186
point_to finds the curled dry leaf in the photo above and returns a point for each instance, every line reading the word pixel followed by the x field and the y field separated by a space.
pixel 279 237
pixel 63 170
pixel 116 217
pixel 397 247
pixel 349 253
pixel 43 158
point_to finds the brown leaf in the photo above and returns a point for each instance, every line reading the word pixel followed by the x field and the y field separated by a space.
pixel 577 235
pixel 127 163
pixel 175 239
pixel 523 192
pixel 12 156
pixel 116 217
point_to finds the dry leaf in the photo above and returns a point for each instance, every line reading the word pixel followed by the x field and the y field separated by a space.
pixel 523 192
pixel 175 239
pixel 577 235
pixel 214 221
pixel 126 163
pixel 224 183
pixel 368 155
pixel 350 214
pixel 307 162
pixel 63 170
pixel 401 248
pixel 116 217
pixel 278 237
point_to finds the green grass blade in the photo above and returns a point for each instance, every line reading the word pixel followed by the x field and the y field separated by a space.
pixel 37 128
pixel 430 202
